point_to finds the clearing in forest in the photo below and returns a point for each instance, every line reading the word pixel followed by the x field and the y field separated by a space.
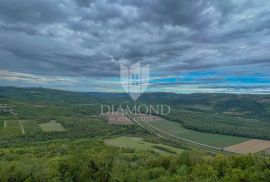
pixel 139 144
pixel 30 126
pixel 10 128
pixel 52 126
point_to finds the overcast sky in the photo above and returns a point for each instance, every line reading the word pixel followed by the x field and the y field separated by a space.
pixel 190 45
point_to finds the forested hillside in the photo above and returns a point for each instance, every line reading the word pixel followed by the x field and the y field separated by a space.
pixel 91 160
pixel 231 114
pixel 52 135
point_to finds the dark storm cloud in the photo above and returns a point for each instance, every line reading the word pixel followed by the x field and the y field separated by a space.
pixel 32 11
pixel 178 13
pixel 92 37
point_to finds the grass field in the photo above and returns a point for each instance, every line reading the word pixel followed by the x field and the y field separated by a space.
pixel 52 126
pixel 251 146
pixel 139 144
pixel 216 140
pixel 17 127
pixel 12 129
pixel 30 126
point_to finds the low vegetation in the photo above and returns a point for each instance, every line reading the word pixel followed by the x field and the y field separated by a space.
pixel 139 144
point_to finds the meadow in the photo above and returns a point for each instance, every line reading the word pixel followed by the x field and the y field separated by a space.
pixel 22 127
pixel 52 126
pixel 31 126
pixel 10 128
pixel 139 144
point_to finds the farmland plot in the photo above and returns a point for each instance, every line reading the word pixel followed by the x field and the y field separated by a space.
pixel 139 144
pixel 30 126
pixel 52 126
pixel 148 117
pixel 250 146
pixel 118 119
pixel 10 128
pixel 216 140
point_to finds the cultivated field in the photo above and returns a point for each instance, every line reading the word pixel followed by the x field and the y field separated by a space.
pixel 52 126
pixel 147 117
pixel 140 145
pixel 30 126
pixel 21 127
pixel 178 130
pixel 250 146
pixel 118 119
pixel 10 128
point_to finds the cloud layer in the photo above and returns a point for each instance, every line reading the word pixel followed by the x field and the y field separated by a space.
pixel 224 42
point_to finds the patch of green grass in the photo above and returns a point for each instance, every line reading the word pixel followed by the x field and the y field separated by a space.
pixel 12 124
pixel 139 144
pixel 30 126
pixel 52 126
pixel 201 137
pixel 12 129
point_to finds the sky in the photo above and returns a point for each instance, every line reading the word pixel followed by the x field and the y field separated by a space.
pixel 191 46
